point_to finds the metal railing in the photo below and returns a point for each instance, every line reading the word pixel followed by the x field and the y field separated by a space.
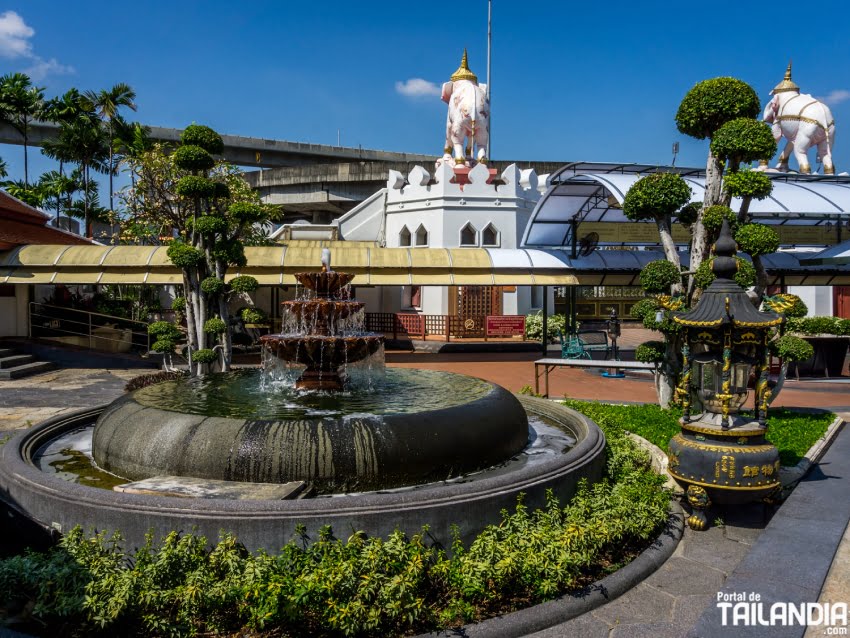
pixel 86 329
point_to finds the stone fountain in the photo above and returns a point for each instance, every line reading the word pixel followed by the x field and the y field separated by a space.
pixel 414 448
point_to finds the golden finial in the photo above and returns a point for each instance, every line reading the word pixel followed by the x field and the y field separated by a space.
pixel 463 72
pixel 787 84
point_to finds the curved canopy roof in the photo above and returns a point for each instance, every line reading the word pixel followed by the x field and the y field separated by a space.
pixel 593 197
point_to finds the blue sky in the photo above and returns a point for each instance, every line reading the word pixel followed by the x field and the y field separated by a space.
pixel 594 81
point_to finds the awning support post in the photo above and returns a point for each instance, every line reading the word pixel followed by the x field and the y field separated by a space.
pixel 545 319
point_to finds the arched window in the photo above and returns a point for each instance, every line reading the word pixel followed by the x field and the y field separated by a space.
pixel 421 236
pixel 490 236
pixel 468 235
pixel 404 237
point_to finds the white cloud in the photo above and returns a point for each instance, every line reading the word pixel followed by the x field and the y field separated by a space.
pixel 417 87
pixel 15 35
pixel 836 97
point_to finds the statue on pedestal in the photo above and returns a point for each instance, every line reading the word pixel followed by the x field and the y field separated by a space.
pixel 468 119
pixel 802 120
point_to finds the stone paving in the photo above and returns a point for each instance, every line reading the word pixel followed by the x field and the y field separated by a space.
pixel 668 603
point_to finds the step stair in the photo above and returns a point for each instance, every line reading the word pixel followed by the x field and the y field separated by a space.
pixel 15 360
pixel 14 365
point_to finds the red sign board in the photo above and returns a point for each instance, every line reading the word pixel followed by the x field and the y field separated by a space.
pixel 505 325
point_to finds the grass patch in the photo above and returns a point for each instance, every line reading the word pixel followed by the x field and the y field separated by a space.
pixel 792 432
pixel 331 587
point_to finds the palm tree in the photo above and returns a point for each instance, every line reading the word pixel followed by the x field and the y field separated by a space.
pixel 59 190
pixel 32 195
pixel 3 169
pixel 132 140
pixel 21 104
pixel 107 104
pixel 84 142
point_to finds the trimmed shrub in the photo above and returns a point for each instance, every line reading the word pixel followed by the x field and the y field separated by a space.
pixel 713 216
pixel 757 239
pixel 203 136
pixel 210 224
pixel 754 184
pixel 204 356
pixel 247 211
pixel 178 304
pixel 244 283
pixel 213 285
pixel 657 276
pixel 643 308
pixel 656 195
pixel 192 158
pixel 163 330
pixel 222 190
pixel 743 140
pixel 183 255
pixel 252 314
pixel 650 352
pixel 687 216
pixel 193 186
pixel 214 326
pixel 791 348
pixel 712 103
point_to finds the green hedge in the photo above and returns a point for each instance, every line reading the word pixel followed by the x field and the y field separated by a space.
pixel 819 325
pixel 534 326
pixel 356 587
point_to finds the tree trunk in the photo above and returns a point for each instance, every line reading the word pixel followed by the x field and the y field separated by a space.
pixel 713 196
pixel 111 170
pixel 744 213
pixel 26 160
pixel 88 229
pixel 761 280
pixel 780 383
pixel 669 247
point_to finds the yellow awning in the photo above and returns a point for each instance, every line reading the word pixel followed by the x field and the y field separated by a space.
pixel 277 265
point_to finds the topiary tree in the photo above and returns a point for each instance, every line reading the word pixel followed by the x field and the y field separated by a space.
pixel 704 110
pixel 660 276
pixel 211 212
pixel 712 220
pixel 748 185
pixel 743 140
pixel 658 197
pixel 650 352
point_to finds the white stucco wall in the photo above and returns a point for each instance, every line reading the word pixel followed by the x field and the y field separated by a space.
pixel 818 299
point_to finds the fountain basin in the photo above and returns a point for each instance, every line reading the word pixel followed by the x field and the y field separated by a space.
pixel 470 503
pixel 165 430
pixel 322 352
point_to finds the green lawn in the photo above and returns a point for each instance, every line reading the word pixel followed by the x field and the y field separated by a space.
pixel 792 432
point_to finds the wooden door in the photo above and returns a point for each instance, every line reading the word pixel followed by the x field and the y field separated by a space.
pixel 841 301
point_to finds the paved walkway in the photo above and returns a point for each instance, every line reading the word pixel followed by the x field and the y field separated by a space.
pixel 675 601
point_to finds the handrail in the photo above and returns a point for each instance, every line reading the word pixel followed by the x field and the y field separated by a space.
pixel 50 322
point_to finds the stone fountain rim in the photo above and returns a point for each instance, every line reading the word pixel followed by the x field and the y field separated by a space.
pixel 17 469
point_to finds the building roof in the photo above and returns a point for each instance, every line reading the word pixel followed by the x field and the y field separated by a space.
pixel 22 224
pixel 796 200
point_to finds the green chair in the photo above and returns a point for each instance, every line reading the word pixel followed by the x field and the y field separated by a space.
pixel 573 347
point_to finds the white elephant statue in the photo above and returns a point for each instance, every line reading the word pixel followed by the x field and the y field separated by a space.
pixel 802 120
pixel 468 119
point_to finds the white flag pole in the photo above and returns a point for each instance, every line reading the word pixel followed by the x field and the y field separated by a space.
pixel 489 43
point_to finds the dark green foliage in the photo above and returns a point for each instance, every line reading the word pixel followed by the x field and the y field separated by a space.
pixel 183 255
pixel 179 304
pixel 244 283
pixel 209 224
pixel 819 325
pixel 657 276
pixel 204 355
pixel 192 158
pixel 754 184
pixel 359 586
pixel 213 285
pixel 232 252
pixel 193 186
pixel 656 196
pixel 743 140
pixel 164 346
pixel 712 218
pixel 650 352
pixel 213 326
pixel 247 211
pixel 252 314
pixel 757 239
pixel 688 215
pixel 203 136
pixel 643 308
pixel 144 380
pixel 222 191
pixel 712 103
pixel 791 348
pixel 534 326
pixel 163 330
pixel 744 277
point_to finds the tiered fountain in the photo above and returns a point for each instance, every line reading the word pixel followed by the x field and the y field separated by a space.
pixel 415 448
pixel 330 345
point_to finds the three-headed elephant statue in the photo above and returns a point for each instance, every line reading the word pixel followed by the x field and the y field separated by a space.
pixel 804 122
pixel 468 120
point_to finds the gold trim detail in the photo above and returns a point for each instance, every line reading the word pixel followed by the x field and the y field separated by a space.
pixel 713 486
pixel 698 324
pixel 787 83
pixel 803 118
pixel 463 72
pixel 730 433
pixel 722 449
pixel 758 324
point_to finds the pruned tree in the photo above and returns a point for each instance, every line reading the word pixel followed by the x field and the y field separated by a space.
pixel 205 211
